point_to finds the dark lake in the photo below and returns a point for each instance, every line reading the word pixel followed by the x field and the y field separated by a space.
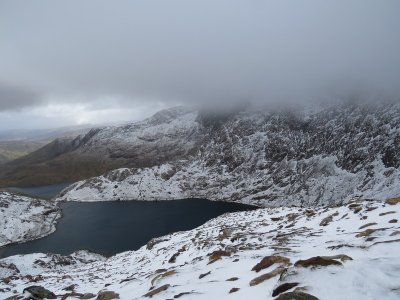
pixel 46 192
pixel 112 227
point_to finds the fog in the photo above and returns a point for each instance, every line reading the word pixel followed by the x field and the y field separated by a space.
pixel 135 57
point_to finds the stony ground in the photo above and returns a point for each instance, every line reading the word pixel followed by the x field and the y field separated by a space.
pixel 343 252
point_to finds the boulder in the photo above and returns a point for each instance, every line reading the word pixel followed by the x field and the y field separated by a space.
pixel 283 288
pixel 317 261
pixel 296 296
pixel 216 255
pixel 367 225
pixel 393 201
pixel 107 295
pixel 39 292
pixel 157 291
pixel 268 261
pixel 267 276
pixel 326 221
pixel 88 296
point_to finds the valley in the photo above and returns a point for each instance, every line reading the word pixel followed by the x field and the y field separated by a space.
pixel 325 184
pixel 199 150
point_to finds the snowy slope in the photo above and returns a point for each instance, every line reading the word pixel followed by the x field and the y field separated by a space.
pixel 266 158
pixel 354 250
pixel 24 218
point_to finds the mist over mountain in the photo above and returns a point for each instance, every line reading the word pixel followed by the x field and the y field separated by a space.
pixel 110 61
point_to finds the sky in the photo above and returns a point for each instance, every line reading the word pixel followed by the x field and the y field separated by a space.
pixel 96 61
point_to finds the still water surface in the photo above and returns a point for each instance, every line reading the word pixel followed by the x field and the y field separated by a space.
pixel 112 227
pixel 45 192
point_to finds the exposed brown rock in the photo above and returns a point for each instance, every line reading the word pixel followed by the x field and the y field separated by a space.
pixel 163 275
pixel 387 213
pixel 283 288
pixel 216 255
pixel 393 221
pixel 326 221
pixel 267 276
pixel 182 294
pixel 232 279
pixel 70 287
pixel 292 217
pixel 157 291
pixel 393 201
pixel 72 294
pixel 88 296
pixel 296 296
pixel 366 232
pixel 367 225
pixel 107 295
pixel 233 290
pixel 204 275
pixel 371 208
pixel 39 292
pixel 353 205
pixel 317 261
pixel 341 257
pixel 309 212
pixel 268 261
pixel 172 259
pixel 386 242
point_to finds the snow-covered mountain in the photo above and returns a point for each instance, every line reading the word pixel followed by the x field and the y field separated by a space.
pixel 346 252
pixel 263 157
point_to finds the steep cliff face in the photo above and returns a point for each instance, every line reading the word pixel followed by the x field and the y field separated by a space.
pixel 296 157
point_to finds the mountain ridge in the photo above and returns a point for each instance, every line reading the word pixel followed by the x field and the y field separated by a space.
pixel 272 158
pixel 257 156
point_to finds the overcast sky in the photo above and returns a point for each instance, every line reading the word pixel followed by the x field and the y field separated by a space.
pixel 74 62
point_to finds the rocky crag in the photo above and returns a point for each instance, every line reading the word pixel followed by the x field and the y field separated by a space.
pixel 267 158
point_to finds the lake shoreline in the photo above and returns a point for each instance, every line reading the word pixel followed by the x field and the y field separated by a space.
pixel 162 216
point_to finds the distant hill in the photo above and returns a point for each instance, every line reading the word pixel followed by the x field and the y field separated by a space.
pixel 10 150
pixel 18 143
pixel 42 134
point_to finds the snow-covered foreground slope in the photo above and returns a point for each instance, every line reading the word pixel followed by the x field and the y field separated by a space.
pixel 23 218
pixel 266 158
pixel 246 255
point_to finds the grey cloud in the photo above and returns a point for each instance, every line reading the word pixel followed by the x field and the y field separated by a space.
pixel 199 52
pixel 17 97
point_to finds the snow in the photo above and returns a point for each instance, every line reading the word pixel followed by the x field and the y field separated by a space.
pixel 23 218
pixel 263 158
pixel 326 184
pixel 249 236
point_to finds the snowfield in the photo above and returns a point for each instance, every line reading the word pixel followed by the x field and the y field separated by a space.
pixel 337 252
pixel 23 218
